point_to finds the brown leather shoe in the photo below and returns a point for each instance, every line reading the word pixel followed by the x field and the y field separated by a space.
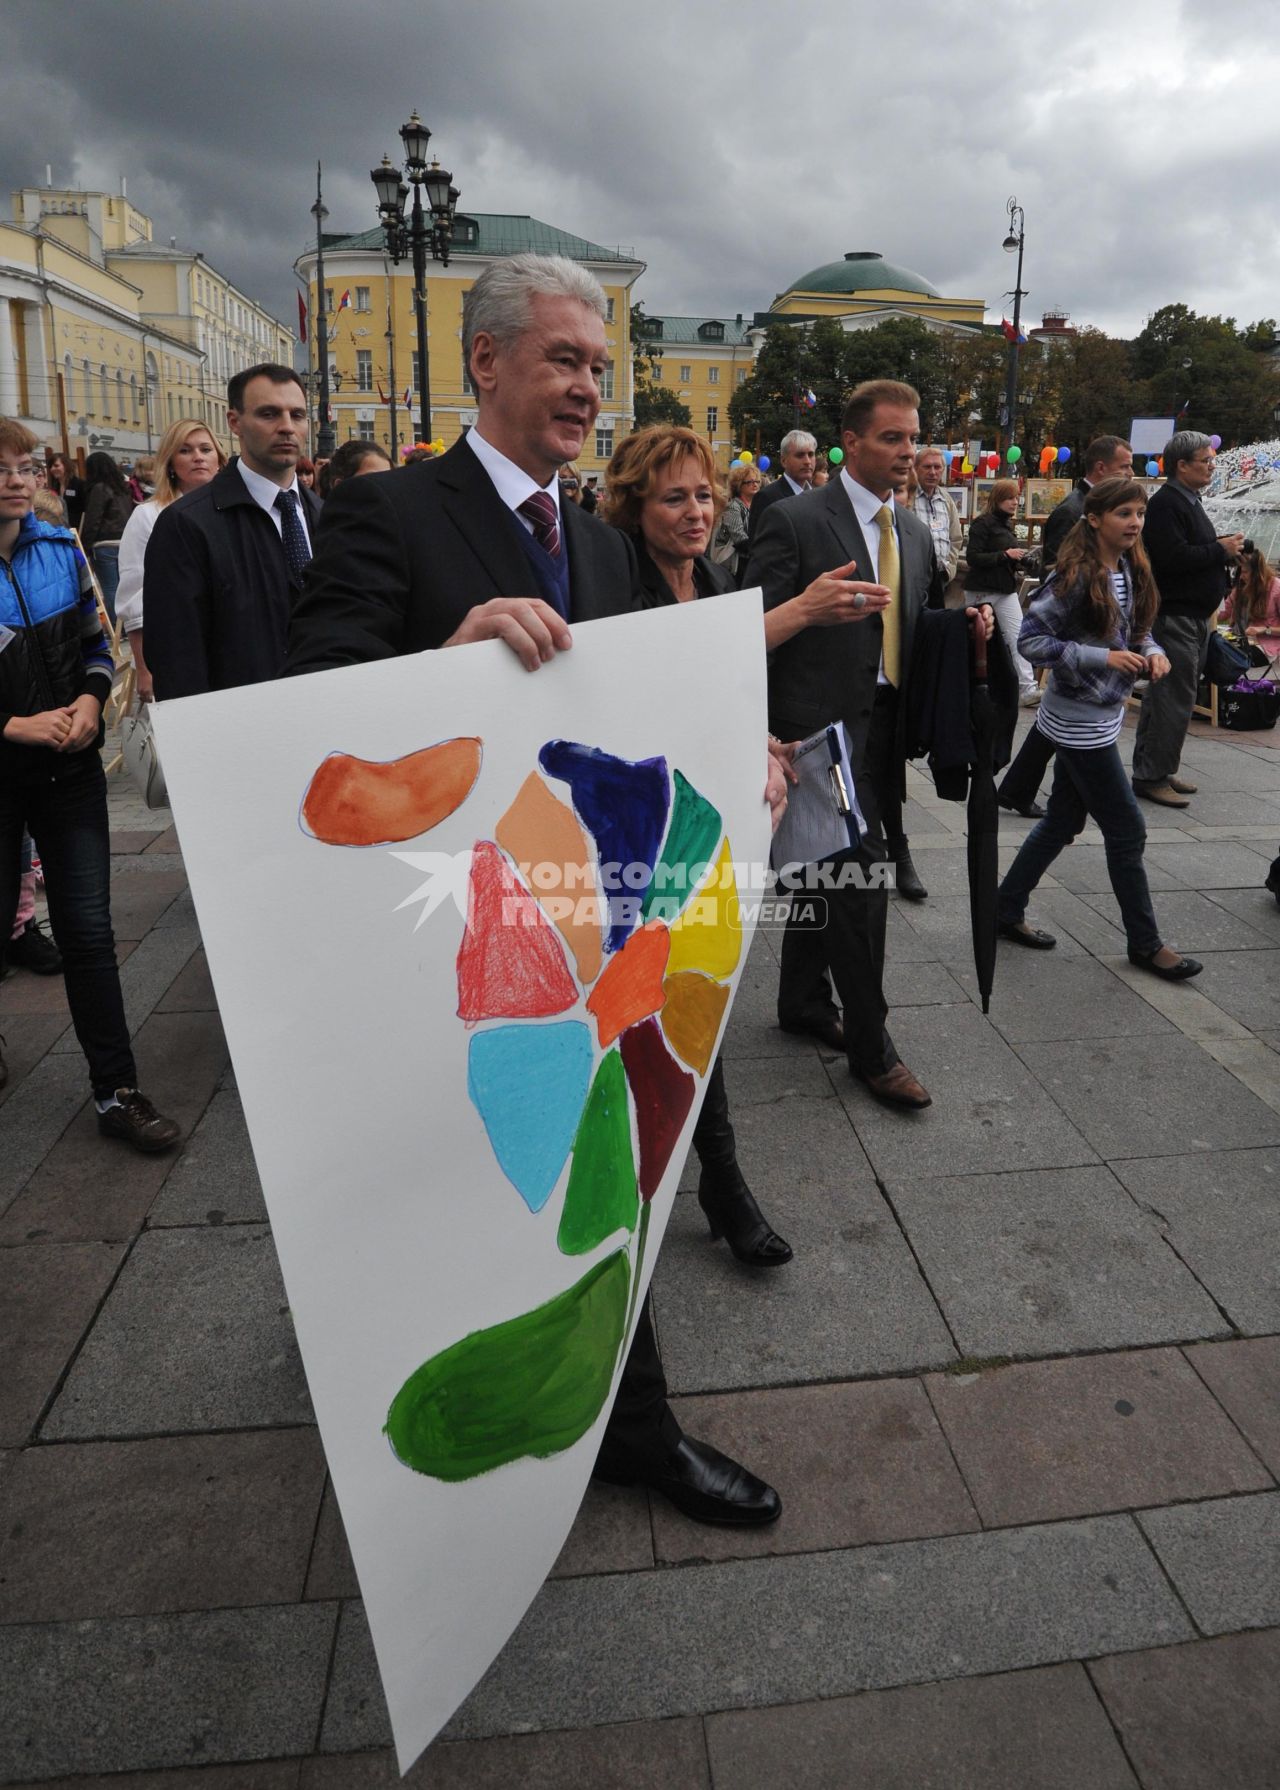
pixel 1182 786
pixel 827 1031
pixel 1165 793
pixel 896 1087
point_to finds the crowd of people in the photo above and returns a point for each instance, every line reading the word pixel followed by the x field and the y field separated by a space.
pixel 231 572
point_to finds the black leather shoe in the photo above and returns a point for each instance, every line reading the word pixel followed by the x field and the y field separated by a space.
pixel 827 1031
pixel 33 950
pixel 732 1213
pixel 1182 971
pixel 907 879
pixel 706 1485
pixel 1019 933
pixel 1028 810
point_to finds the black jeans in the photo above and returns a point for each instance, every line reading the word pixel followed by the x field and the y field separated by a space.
pixel 1089 781
pixel 64 807
pixel 1022 780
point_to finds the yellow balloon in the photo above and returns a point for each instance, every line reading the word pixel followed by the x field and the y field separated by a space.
pixel 745 457
pixel 966 467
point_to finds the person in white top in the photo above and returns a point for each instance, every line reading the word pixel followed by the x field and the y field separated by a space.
pixel 188 458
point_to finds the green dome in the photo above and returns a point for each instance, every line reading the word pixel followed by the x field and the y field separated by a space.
pixel 862 270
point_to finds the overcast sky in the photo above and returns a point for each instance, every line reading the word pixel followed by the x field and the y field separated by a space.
pixel 734 146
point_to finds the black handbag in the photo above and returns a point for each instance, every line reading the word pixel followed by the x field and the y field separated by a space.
pixel 1249 705
pixel 1225 661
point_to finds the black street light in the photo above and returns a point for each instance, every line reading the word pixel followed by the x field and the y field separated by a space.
pixel 426 230
pixel 324 429
pixel 1013 244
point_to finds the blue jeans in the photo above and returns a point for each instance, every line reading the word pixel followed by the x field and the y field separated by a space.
pixel 106 563
pixel 64 805
pixel 1089 781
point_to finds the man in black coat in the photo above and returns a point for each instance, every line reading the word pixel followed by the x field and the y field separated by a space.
pixel 477 546
pixel 798 455
pixel 224 563
pixel 845 574
pixel 1189 561
pixel 1109 457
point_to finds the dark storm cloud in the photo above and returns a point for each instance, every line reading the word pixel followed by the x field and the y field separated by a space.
pixel 734 146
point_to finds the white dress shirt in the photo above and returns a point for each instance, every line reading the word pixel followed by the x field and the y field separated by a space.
pixel 798 489
pixel 866 507
pixel 264 494
pixel 510 481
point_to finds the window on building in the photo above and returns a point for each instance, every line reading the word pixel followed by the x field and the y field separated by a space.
pixel 88 387
pixel 742 375
pixel 364 369
pixel 328 298
pixel 606 383
pixel 119 394
pixel 105 410
pixel 713 375
pixel 604 439
pixel 133 396
pixel 713 418
pixel 417 382
pixel 608 310
pixel 68 380
pixel 362 304
pixel 364 432
pixel 656 375
pixel 686 374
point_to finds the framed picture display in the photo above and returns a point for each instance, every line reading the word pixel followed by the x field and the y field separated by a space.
pixel 981 490
pixel 959 495
pixel 1043 497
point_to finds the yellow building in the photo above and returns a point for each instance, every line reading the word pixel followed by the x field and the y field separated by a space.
pixel 864 289
pixel 373 330
pixel 702 360
pixel 105 336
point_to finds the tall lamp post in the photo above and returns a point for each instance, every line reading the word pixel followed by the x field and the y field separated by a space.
pixel 1013 244
pixel 324 430
pixel 427 229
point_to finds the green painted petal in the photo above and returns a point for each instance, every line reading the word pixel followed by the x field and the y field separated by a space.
pixel 602 1196
pixel 689 847
pixel 532 1385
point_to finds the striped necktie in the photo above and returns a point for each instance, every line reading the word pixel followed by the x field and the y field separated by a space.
pixel 890 575
pixel 540 510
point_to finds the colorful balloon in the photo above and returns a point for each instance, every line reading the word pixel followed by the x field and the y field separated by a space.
pixel 764 462
pixel 835 456
pixel 745 457
pixel 1064 454
pixel 1215 442
pixel 1153 469
pixel 966 467
pixel 1014 454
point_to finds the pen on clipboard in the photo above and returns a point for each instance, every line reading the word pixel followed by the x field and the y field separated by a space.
pixel 839 793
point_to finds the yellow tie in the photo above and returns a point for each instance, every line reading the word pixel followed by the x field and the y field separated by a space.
pixel 891 577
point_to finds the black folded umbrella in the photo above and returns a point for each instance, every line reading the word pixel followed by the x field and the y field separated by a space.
pixel 983 814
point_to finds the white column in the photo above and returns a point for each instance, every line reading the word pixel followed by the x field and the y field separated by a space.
pixel 8 366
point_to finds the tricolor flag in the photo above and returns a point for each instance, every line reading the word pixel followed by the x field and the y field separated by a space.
pixel 810 400
pixel 1018 335
pixel 382 396
pixel 408 397
pixel 302 318
pixel 344 303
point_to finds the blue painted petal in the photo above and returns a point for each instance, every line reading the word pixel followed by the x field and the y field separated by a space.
pixel 623 803
pixel 528 1083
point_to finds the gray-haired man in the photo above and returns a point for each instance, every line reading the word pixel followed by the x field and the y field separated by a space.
pixel 1189 560
pixel 798 456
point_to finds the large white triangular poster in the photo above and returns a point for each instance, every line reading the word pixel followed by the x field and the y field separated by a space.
pixel 474 934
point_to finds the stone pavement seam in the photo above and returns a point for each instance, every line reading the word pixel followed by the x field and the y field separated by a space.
pixel 1184 1351
pixel 1166 1233
pixel 1111 1719
pixel 318 1736
pixel 56 1391
pixel 1136 1520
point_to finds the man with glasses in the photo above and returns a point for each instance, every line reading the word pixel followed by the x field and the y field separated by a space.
pixel 1189 561
pixel 55 676
pixel 936 509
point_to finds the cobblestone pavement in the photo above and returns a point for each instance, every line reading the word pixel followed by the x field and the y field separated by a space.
pixel 1019 1390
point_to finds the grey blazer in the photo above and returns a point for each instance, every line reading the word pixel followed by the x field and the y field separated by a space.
pixel 829 674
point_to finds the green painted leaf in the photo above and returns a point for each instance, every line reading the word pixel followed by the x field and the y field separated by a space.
pixel 690 845
pixel 532 1385
pixel 602 1196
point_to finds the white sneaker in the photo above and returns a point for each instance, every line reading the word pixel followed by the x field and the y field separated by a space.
pixel 1031 700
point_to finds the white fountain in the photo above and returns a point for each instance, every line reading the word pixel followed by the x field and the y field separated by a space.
pixel 1245 495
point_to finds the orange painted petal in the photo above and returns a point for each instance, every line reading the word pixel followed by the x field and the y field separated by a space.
pixel 692 1015
pixel 541 832
pixel 631 987
pixel 356 801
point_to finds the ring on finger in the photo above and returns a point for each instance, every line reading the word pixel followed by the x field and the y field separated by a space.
pixel 859 599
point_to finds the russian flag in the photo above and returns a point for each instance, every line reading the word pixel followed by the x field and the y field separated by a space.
pixel 344 303
pixel 810 400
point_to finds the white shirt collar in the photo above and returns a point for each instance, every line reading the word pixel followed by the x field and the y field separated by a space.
pixel 866 505
pixel 264 492
pixel 510 481
pixel 798 489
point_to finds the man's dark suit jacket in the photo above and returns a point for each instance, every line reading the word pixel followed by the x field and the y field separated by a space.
pixel 829 674
pixel 765 498
pixel 402 556
pixel 1059 523
pixel 216 589
pixel 1187 559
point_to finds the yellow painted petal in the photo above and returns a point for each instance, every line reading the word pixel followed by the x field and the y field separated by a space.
pixel 708 935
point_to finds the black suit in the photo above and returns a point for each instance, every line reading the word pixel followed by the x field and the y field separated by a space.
pixel 1059 523
pixel 764 499
pixel 400 559
pixel 829 674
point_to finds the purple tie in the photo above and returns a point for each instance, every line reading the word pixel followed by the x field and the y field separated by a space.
pixel 540 510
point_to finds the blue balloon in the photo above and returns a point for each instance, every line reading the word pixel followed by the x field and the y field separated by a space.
pixel 1064 454
pixel 764 463
pixel 1153 469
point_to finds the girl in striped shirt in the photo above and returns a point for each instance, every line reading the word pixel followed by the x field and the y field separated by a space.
pixel 1090 623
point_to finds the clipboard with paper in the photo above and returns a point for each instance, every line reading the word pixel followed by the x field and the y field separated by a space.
pixel 822 817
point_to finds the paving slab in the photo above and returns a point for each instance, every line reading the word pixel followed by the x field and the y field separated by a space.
pixel 1200 1717
pixel 166 841
pixel 1075 924
pixel 154 1691
pixel 1222 864
pixel 853 1464
pixel 765 1081
pixel 191 990
pixel 331 1572
pixel 88 1186
pixel 753 1029
pixel 630 1756
pixel 277 1774
pixel 196 1336
pixel 49 1293
pixel 1220 1210
pixel 1245 1379
pixel 1224 1558
pixel 36 1114
pixel 852 1302
pixel 215 1180
pixel 1040 995
pixel 127 840
pixel 944 926
pixel 1049 1439
pixel 139 899
pixel 988 1110
pixel 1044 1729
pixel 612 1533
pixel 1049 1262
pixel 1246 984
pixel 1253 1063
pixel 27 1036
pixel 1083 870
pixel 1142 1097
pixel 178 1523
pixel 182 912
pixel 1183 1003
pixel 151 969
pixel 1256 906
pixel 921 985
pixel 1191 921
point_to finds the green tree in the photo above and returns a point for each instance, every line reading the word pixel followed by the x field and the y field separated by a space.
pixel 1216 377
pixel 659 404
pixel 1097 393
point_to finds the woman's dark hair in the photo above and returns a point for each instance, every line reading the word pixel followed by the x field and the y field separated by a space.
pixel 101 469
pixel 347 461
pixel 1079 565
pixel 1253 587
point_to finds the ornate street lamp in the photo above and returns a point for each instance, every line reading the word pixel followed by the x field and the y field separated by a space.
pixel 1013 244
pixel 324 428
pixel 425 230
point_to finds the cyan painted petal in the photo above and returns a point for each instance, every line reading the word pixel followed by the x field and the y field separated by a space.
pixel 528 1083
